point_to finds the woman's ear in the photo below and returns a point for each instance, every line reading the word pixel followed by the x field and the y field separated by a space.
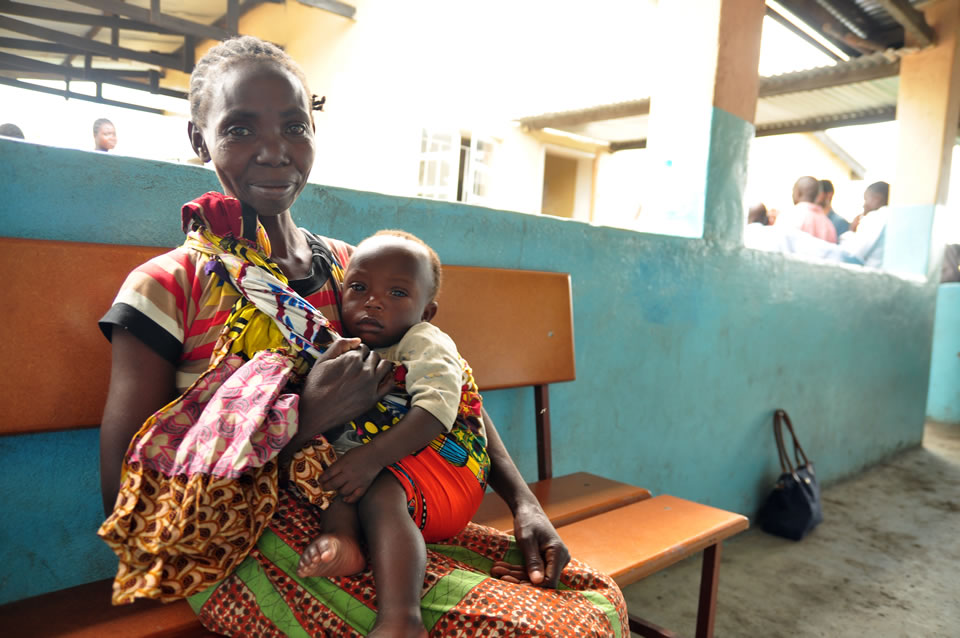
pixel 429 311
pixel 197 142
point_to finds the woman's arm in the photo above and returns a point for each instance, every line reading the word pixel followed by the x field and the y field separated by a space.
pixel 141 382
pixel 338 388
pixel 544 553
pixel 345 381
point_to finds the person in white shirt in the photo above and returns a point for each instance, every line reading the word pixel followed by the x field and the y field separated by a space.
pixel 866 237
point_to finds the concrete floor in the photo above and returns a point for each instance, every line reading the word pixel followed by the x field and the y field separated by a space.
pixel 884 563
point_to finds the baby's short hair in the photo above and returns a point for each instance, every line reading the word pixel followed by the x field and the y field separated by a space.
pixel 435 268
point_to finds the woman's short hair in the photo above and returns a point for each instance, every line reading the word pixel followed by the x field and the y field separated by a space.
pixel 229 52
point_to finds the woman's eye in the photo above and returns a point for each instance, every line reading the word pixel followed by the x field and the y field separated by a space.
pixel 297 129
pixel 238 131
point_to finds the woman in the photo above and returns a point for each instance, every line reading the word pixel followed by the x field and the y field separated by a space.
pixel 180 320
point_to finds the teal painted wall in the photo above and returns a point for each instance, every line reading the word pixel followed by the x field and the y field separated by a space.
pixel 684 347
pixel 943 399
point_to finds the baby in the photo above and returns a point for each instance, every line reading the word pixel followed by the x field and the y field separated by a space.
pixel 421 479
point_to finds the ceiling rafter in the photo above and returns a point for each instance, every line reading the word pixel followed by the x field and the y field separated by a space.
pixel 862 69
pixel 156 17
pixel 67 93
pixel 76 17
pixel 89 46
pixel 44 70
pixel 912 20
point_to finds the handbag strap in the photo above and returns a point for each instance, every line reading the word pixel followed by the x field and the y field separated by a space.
pixel 781 418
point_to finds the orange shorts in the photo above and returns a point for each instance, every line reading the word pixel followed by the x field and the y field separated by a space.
pixel 441 497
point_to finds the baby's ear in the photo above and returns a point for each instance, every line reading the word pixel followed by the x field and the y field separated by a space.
pixel 429 312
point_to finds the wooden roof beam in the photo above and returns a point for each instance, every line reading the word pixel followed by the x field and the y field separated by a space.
pixel 88 46
pixel 839 75
pixel 883 114
pixel 78 96
pixel 912 20
pixel 76 17
pixel 333 6
pixel 36 69
pixel 156 17
pixel 585 116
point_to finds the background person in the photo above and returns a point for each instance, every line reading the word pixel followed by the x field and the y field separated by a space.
pixel 826 203
pixel 11 130
pixel 867 235
pixel 806 215
pixel 104 135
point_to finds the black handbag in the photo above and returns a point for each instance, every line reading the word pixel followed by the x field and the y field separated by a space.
pixel 793 508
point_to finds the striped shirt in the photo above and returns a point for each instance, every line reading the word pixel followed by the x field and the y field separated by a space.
pixel 178 309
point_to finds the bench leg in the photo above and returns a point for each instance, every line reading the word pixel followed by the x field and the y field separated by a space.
pixel 647 629
pixel 709 581
pixel 707 609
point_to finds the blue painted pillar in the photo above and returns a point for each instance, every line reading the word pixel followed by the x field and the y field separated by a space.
pixel 943 396
pixel 928 107
pixel 701 117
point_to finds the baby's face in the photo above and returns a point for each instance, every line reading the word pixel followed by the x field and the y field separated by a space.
pixel 385 291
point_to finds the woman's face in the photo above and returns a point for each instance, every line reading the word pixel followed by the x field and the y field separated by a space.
pixel 259 134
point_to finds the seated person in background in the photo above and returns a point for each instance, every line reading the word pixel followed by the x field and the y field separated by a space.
pixel 866 237
pixel 806 215
pixel 421 479
pixel 780 238
pixel 758 215
pixel 950 269
pixel 825 201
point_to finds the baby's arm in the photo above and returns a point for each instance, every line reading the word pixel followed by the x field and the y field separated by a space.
pixel 353 473
pixel 433 380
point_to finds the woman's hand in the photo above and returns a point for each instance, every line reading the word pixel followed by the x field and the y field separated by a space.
pixel 544 553
pixel 352 474
pixel 345 381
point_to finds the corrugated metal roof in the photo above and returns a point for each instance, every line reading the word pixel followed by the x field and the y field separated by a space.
pixel 833 101
pixel 814 98
pixel 877 14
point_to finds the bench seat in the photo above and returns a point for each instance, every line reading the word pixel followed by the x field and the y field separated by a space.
pixel 565 499
pixel 85 612
pixel 634 541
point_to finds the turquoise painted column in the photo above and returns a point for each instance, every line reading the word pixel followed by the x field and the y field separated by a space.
pixel 701 118
pixel 943 396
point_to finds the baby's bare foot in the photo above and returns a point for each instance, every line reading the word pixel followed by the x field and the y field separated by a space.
pixel 331 555
pixel 400 627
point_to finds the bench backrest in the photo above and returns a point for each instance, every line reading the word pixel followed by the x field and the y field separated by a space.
pixel 514 327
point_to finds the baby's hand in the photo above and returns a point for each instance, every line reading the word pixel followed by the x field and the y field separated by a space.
pixel 352 474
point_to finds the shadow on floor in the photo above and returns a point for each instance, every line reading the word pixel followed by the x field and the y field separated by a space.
pixel 884 563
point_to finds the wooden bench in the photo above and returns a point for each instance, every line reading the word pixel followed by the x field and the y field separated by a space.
pixel 530 344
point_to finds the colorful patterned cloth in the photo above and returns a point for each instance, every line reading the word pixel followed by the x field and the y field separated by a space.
pixel 199 480
pixel 230 540
pixel 264 597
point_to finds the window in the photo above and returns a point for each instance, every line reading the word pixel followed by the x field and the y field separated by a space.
pixel 454 167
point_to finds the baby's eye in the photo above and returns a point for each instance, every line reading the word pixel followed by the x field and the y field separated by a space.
pixel 356 286
pixel 398 293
